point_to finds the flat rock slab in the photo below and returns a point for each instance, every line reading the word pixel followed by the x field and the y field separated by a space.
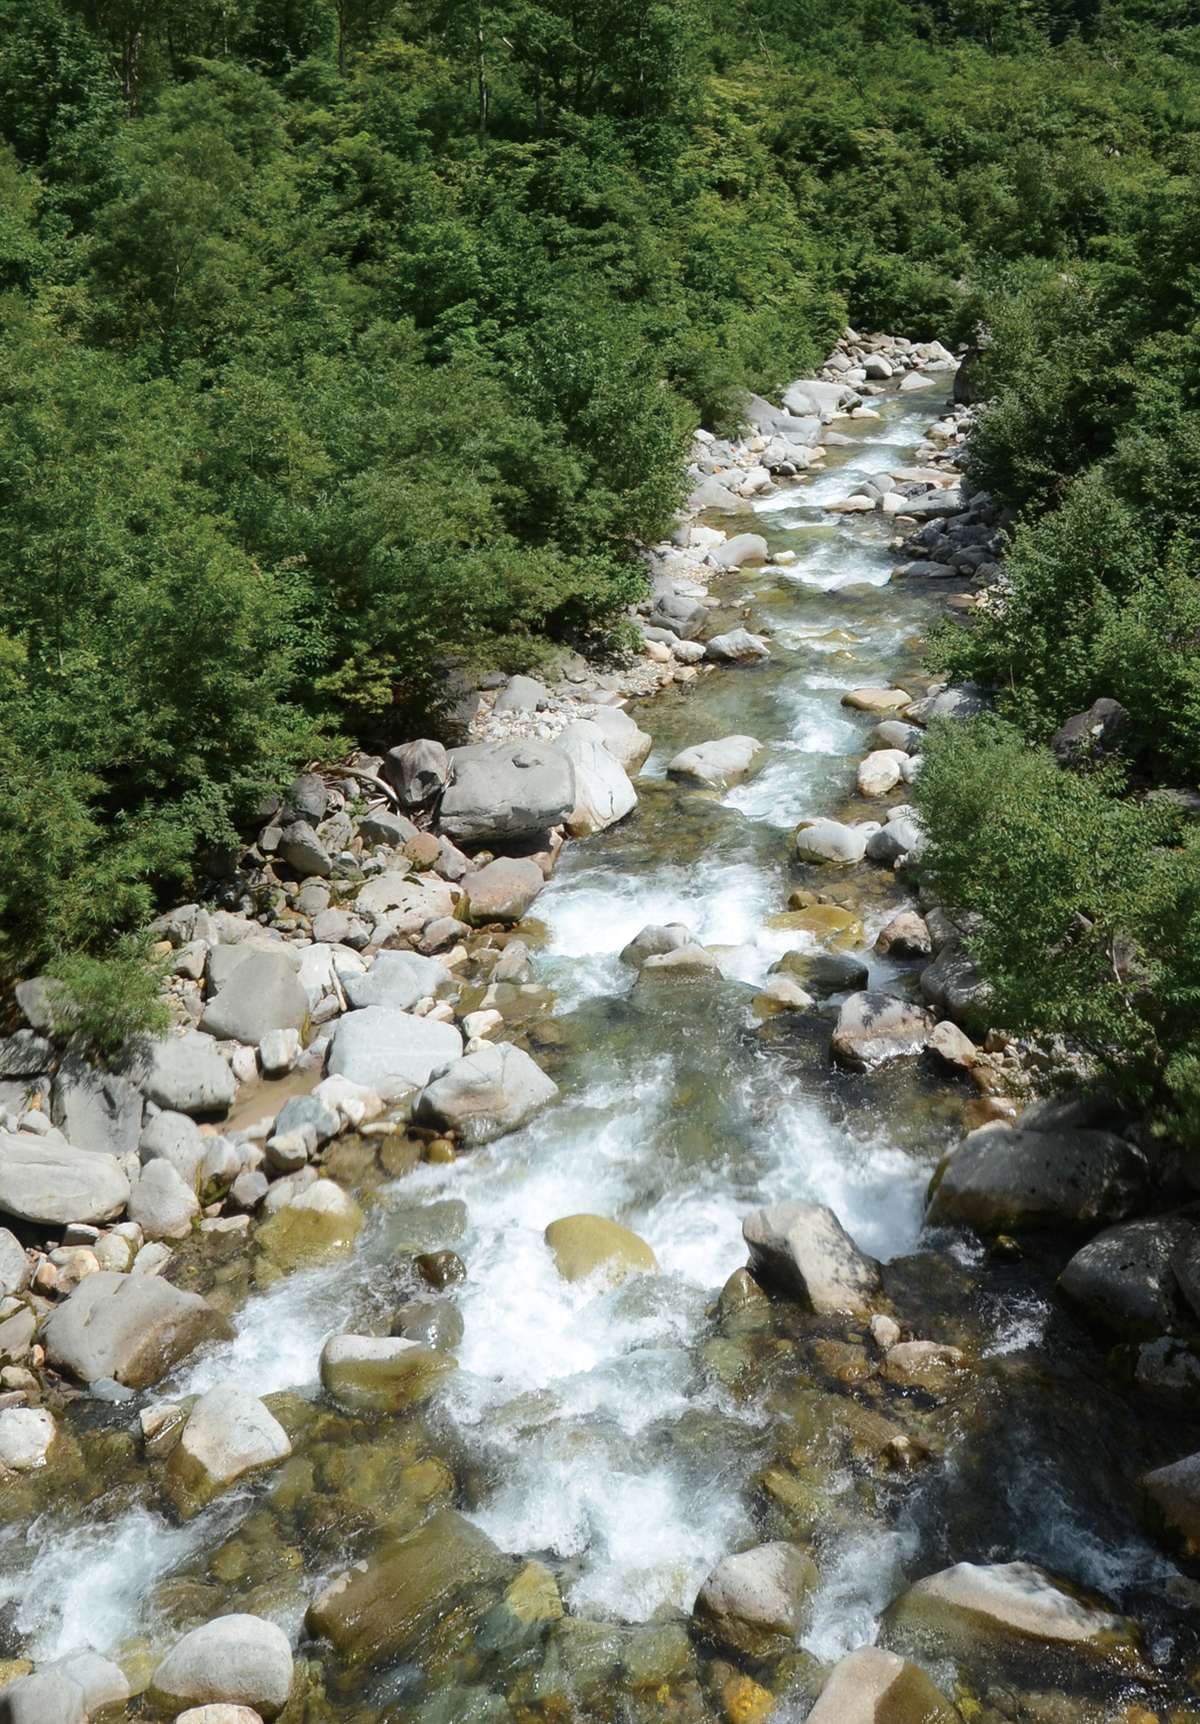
pixel 48 1180
pixel 187 1074
pixel 133 1328
pixel 391 1052
pixel 1002 1180
pixel 399 980
pixel 506 790
pixel 803 1249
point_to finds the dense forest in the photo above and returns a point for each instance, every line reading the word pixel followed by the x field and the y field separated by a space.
pixel 350 348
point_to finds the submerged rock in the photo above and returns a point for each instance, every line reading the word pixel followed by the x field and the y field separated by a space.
pixel 1004 1180
pixel 587 1245
pixel 873 1686
pixel 381 1373
pixel 948 1614
pixel 310 1225
pixel 485 1094
pixel 756 1601
pixel 239 1659
pixel 803 1249
pixel 389 1607
pixel 133 1328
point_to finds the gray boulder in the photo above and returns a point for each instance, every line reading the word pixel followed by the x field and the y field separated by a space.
pixel 966 700
pixel 399 980
pixel 653 941
pixel 239 1660
pixel 738 646
pixel 15 1268
pixel 187 1074
pixel 1001 1180
pixel 417 771
pixel 621 735
pixel 1123 1279
pixel 132 1328
pixel 1175 1493
pixel 743 548
pixel 503 890
pixel 264 993
pixel 757 1600
pixel 506 790
pixel 391 1052
pixel 487 1093
pixel 302 850
pixel 25 1054
pixel 900 837
pixel 803 1249
pixel 381 826
pixel 603 793
pixel 1092 734
pixel 720 764
pixel 308 799
pixel 954 985
pixel 874 1029
pixel 830 841
pixel 684 616
pixel 227 1434
pixel 824 973
pixel 47 1696
pixel 163 1204
pixel 174 1138
pixel 95 1109
pixel 522 694
pixel 46 1179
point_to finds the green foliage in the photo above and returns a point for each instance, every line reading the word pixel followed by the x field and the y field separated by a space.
pixel 1083 904
pixel 107 1003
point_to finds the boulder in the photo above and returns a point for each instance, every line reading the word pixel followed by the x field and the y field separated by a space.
pixel 880 771
pixel 756 1602
pixel 900 838
pixel 264 993
pixel 965 700
pixel 397 980
pixel 896 733
pixel 738 646
pixel 302 850
pixel 603 793
pixel 948 1614
pixel 506 790
pixel 26 1437
pixel 15 1267
pixel 679 613
pixel 808 395
pixel 227 1434
pixel 905 936
pixel 873 1029
pixel 391 1052
pixel 187 1074
pixel 220 1714
pixel 1001 1180
pixel 485 1094
pixel 873 1686
pixel 46 1696
pixel 308 799
pixel 174 1138
pixel 237 1660
pixel 1122 1279
pixel 720 764
pixel 741 549
pixel 653 941
pixel 682 962
pixel 162 1203
pixel 405 905
pixel 954 984
pixel 382 826
pixel 25 1054
pixel 1092 734
pixel 384 1611
pixel 590 1245
pixel 503 890
pixel 830 841
pixel 803 1249
pixel 621 735
pixel 880 700
pixel 308 1224
pixel 96 1110
pixel 45 1179
pixel 522 694
pixel 416 771
pixel 381 1373
pixel 824 972
pixel 132 1328
pixel 1174 1492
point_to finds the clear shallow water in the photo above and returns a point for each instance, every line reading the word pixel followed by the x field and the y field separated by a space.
pixel 595 1435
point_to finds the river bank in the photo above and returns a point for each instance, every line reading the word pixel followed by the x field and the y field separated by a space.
pixel 611 1439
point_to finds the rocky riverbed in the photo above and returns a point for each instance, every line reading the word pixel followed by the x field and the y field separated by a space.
pixel 624 1279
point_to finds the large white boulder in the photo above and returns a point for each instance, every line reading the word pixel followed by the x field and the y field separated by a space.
pixel 391 1052
pixel 485 1094
pixel 603 792
pixel 45 1179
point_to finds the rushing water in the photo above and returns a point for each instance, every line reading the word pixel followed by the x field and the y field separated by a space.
pixel 590 1425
